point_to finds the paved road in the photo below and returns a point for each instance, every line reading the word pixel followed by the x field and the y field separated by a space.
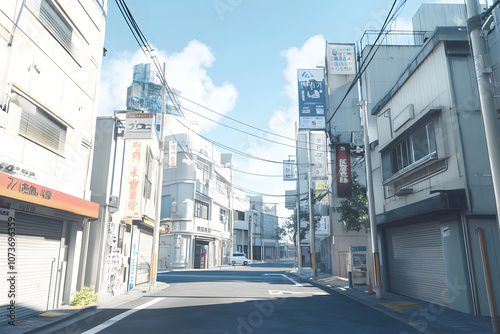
pixel 259 298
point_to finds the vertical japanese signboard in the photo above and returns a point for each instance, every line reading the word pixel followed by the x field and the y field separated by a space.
pixel 341 59
pixel 343 170
pixel 172 154
pixel 135 181
pixel 312 99
pixel 289 170
pixel 319 159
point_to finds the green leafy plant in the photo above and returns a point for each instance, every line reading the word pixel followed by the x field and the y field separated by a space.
pixel 354 209
pixel 85 296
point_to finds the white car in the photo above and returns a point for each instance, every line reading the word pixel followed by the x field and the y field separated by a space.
pixel 239 258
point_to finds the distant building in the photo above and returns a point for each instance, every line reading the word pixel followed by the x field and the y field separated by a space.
pixel 51 54
pixel 196 202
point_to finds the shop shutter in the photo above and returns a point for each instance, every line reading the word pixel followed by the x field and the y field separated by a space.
pixel 144 258
pixel 416 262
pixel 37 255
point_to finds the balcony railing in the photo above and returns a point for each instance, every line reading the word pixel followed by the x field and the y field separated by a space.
pixel 392 38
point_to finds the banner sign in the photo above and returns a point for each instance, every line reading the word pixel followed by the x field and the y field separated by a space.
pixel 319 157
pixel 289 170
pixel 343 170
pixel 139 126
pixel 323 226
pixel 133 200
pixel 312 99
pixel 321 193
pixel 172 154
pixel 341 59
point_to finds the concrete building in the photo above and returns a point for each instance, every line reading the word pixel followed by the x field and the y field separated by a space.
pixel 265 239
pixel 431 174
pixel 196 201
pixel 431 178
pixel 241 207
pixel 51 54
pixel 119 243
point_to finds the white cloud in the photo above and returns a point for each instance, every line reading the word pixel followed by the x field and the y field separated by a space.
pixel 186 71
pixel 282 122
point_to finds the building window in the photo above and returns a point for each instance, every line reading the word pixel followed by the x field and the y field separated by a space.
pixel 40 127
pixel 223 216
pixel 239 215
pixel 165 206
pixel 59 26
pixel 417 147
pixel 201 210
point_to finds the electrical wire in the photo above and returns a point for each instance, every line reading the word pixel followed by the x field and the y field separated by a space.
pixel 364 65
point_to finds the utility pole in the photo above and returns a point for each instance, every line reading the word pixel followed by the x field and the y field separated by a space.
pixel 369 192
pixel 484 76
pixel 159 187
pixel 299 250
pixel 312 226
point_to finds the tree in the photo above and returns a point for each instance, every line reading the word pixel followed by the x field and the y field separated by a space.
pixel 288 230
pixel 354 209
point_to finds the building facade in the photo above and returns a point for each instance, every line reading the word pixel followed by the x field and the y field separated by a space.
pixel 51 55
pixel 431 178
pixel 196 202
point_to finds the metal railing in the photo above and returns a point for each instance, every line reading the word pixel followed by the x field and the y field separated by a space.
pixel 393 38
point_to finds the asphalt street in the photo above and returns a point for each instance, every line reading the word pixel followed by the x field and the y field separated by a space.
pixel 259 298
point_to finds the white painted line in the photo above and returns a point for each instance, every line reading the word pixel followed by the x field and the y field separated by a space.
pixel 121 316
pixel 289 278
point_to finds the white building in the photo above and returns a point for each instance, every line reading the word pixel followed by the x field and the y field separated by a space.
pixel 196 201
pixel 51 53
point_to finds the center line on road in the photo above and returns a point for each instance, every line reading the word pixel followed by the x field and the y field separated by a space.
pixel 119 317
pixel 291 279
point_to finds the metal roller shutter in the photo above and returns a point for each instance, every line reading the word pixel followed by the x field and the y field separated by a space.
pixel 416 262
pixel 38 241
pixel 144 258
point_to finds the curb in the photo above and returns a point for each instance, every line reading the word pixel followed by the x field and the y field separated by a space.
pixel 374 306
pixel 431 327
pixel 90 310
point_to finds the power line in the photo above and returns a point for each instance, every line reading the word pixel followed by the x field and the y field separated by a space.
pixel 363 66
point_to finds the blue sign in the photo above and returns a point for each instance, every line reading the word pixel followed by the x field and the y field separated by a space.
pixel 312 99
pixel 358 248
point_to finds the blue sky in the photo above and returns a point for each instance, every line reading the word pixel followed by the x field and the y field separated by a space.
pixel 239 58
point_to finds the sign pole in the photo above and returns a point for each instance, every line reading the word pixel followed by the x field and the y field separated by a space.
pixel 159 186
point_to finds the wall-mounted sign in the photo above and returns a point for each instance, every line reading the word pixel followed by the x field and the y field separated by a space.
pixel 343 170
pixel 289 170
pixel 321 193
pixel 139 126
pixel 318 153
pixel 135 181
pixel 341 59
pixel 172 154
pixel 323 226
pixel 30 192
pixel 312 99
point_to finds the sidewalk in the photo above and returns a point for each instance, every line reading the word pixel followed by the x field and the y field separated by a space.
pixel 424 316
pixel 42 321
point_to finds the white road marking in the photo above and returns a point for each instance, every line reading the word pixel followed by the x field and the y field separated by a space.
pixel 121 316
pixel 283 292
pixel 291 279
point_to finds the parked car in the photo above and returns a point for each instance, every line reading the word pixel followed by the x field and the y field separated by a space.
pixel 239 258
